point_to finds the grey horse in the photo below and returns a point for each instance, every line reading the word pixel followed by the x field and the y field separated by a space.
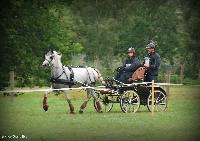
pixel 66 77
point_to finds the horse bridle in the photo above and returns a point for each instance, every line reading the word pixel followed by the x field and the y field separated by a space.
pixel 63 71
pixel 49 61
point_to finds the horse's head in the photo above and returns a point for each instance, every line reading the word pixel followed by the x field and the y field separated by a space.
pixel 51 59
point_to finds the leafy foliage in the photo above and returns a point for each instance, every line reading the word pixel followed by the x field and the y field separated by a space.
pixel 99 30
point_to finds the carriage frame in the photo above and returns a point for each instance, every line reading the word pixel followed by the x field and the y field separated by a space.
pixel 130 96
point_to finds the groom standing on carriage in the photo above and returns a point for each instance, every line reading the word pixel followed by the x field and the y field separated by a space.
pixel 152 62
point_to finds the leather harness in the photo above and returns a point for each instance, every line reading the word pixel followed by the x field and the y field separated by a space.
pixel 68 81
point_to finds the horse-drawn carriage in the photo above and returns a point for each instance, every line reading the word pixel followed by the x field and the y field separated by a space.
pixel 130 96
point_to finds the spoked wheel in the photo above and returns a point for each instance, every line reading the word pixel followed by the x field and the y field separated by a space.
pixel 160 101
pixel 105 103
pixel 130 102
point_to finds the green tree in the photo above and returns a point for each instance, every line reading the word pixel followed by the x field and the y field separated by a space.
pixel 30 29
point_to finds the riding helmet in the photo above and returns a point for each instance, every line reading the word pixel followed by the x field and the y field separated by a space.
pixel 131 49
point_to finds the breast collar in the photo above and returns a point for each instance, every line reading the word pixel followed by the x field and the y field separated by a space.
pixel 71 76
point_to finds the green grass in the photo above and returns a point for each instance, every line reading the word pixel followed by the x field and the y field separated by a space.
pixel 24 115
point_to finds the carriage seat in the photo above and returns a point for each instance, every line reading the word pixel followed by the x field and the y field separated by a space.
pixel 138 74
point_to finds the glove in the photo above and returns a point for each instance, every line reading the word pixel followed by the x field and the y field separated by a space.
pixel 120 69
pixel 103 83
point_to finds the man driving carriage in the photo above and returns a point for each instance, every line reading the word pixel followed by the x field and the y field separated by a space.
pixel 131 64
pixel 153 64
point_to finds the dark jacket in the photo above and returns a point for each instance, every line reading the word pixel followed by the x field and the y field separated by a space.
pixel 154 63
pixel 131 64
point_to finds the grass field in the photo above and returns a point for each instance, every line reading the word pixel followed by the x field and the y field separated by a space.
pixel 23 115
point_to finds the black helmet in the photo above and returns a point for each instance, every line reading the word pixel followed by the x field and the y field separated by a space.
pixel 152 44
pixel 131 49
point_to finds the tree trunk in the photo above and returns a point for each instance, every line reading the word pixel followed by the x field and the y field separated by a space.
pixel 199 74
pixel 12 80
pixel 168 80
pixel 181 73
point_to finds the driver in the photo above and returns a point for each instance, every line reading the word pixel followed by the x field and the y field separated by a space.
pixel 130 65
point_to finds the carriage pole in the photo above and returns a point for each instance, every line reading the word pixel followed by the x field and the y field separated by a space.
pixel 152 98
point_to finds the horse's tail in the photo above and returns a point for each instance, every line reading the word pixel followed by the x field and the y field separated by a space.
pixel 99 76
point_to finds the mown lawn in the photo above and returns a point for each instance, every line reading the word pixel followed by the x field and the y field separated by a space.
pixel 23 115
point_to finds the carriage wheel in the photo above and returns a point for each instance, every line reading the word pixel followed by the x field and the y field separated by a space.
pixel 160 101
pixel 130 102
pixel 105 102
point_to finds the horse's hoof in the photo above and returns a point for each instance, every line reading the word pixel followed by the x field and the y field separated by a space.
pixel 80 112
pixel 72 112
pixel 99 111
pixel 45 107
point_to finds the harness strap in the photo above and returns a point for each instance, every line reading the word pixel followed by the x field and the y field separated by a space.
pixel 59 75
pixel 99 75
pixel 71 74
pixel 63 72
pixel 94 76
pixel 88 75
pixel 49 61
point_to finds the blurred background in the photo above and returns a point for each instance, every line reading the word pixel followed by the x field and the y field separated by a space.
pixel 97 33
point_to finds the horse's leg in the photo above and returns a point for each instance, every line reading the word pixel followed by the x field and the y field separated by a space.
pixel 45 105
pixel 71 107
pixel 97 101
pixel 89 95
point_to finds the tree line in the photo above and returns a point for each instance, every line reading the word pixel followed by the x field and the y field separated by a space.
pixel 91 32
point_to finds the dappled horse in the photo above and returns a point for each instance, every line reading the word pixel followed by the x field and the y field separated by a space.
pixel 65 77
